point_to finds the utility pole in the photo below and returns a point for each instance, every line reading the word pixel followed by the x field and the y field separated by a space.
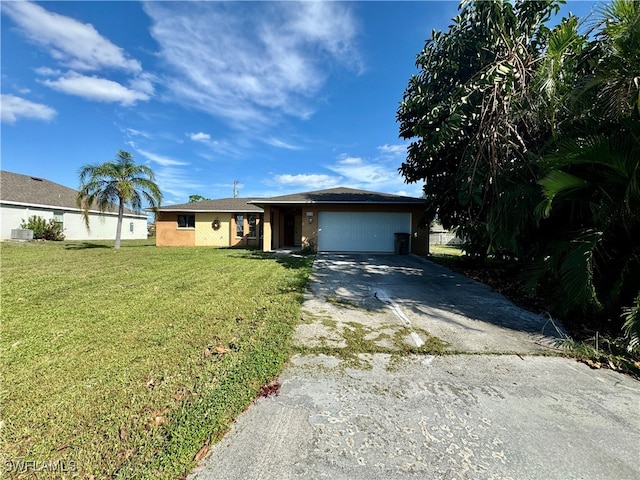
pixel 235 189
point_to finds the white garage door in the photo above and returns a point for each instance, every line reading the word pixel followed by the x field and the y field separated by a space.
pixel 360 231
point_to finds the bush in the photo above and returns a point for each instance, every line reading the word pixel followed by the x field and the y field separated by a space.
pixel 43 229
pixel 632 325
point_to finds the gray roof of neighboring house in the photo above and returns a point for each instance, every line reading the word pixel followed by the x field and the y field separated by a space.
pixel 239 205
pixel 340 195
pixel 33 191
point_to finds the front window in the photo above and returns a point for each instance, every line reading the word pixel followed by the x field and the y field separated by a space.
pixel 239 226
pixel 252 226
pixel 186 221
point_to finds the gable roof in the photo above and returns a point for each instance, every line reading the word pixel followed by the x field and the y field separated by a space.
pixel 25 190
pixel 340 195
pixel 232 205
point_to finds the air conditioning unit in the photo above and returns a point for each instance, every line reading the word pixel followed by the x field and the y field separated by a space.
pixel 23 234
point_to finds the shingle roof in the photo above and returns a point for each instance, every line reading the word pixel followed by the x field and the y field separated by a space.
pixel 340 195
pixel 27 190
pixel 220 205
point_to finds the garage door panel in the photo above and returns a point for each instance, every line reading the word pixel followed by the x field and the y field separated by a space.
pixel 360 231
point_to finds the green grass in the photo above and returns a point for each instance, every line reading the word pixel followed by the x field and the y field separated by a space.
pixel 445 255
pixel 110 358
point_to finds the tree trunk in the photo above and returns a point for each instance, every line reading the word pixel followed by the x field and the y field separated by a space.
pixel 119 227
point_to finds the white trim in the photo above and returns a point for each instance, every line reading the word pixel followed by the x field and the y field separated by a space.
pixel 216 210
pixel 332 202
pixel 68 209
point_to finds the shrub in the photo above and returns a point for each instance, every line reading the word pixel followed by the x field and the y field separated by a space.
pixel 43 229
pixel 632 325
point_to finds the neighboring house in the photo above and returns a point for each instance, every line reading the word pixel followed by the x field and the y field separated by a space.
pixel 226 222
pixel 22 196
pixel 440 236
pixel 338 220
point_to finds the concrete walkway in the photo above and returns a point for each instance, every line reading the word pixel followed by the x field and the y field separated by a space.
pixel 394 415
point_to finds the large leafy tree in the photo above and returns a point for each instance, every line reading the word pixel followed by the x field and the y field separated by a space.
pixel 119 182
pixel 470 117
pixel 528 141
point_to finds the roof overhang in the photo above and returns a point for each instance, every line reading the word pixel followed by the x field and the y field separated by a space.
pixel 336 202
pixel 217 210
pixel 67 209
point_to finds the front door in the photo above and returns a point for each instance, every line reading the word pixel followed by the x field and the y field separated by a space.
pixel 289 230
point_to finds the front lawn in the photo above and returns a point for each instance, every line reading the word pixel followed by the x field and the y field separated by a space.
pixel 125 363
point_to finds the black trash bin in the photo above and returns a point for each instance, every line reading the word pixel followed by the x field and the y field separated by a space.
pixel 401 243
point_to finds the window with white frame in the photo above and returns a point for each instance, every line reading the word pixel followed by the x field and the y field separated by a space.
pixel 239 226
pixel 252 225
pixel 186 221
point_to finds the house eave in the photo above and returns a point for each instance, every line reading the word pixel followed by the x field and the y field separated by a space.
pixel 330 202
pixel 67 209
pixel 217 210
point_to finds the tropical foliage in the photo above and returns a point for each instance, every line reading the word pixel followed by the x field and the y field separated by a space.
pixel 528 140
pixel 196 198
pixel 119 182
pixel 43 229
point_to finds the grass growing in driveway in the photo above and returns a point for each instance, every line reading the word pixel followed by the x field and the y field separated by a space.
pixel 124 364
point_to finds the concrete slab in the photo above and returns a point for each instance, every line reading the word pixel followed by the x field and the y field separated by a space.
pixel 390 292
pixel 449 417
pixel 399 416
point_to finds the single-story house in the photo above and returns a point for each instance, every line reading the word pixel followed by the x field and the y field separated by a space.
pixel 225 222
pixel 22 196
pixel 337 219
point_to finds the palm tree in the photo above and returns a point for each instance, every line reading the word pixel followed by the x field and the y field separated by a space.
pixel 120 182
pixel 591 185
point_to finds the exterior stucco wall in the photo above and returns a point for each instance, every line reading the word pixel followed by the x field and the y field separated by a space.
pixel 101 227
pixel 169 235
pixel 245 240
pixel 310 229
pixel 205 235
pixel 419 235
pixel 267 231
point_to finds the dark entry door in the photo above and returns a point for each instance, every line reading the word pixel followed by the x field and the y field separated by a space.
pixel 289 230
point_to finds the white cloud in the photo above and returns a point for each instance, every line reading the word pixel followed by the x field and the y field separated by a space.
pixel 177 183
pixel 308 182
pixel 12 108
pixel 346 160
pixel 274 142
pixel 95 88
pixel 363 172
pixel 373 174
pixel 160 159
pixel 199 137
pixel 393 149
pixel 72 43
pixel 48 72
pixel 250 62
pixel 132 132
pixel 143 83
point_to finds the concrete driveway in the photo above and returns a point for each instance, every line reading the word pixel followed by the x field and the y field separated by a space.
pixel 371 399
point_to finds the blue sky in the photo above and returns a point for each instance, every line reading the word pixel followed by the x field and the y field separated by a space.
pixel 283 97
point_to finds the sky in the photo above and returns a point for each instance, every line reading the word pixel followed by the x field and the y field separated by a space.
pixel 281 97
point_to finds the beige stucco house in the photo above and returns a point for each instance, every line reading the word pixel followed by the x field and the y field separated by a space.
pixel 337 219
pixel 225 222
